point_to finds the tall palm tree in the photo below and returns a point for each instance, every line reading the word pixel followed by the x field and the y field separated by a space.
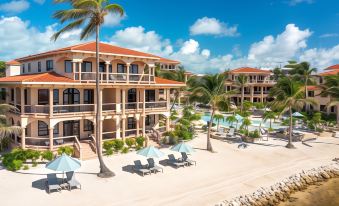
pixel 90 14
pixel 269 116
pixel 288 94
pixel 241 82
pixel 331 88
pixel 210 90
pixel 6 130
pixel 231 119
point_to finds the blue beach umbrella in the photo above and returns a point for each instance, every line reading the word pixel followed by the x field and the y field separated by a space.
pixel 297 114
pixel 182 147
pixel 150 151
pixel 64 163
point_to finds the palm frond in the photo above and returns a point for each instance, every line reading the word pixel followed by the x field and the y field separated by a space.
pixel 115 8
pixel 69 27
pixel 88 30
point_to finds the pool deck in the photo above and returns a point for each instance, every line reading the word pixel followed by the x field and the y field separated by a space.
pixel 218 176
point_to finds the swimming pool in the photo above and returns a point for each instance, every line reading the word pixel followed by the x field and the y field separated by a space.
pixel 255 123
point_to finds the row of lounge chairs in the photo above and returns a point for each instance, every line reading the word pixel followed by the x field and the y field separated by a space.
pixel 70 182
pixel 152 167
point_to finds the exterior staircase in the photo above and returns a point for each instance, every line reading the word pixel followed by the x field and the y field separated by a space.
pixel 87 151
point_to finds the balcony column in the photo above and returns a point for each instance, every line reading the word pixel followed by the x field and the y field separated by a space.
pixel 23 137
pixel 51 139
pixel 22 100
pixel 168 121
pixel 168 99
pixel 80 68
pixel 107 63
pixel 123 125
pixel 127 71
pixel 143 125
pixel 14 91
pixel 50 102
pixel 137 118
pixel 138 98
pixel 143 101
pixel 117 127
pixel 252 93
pixel 262 94
pixel 123 97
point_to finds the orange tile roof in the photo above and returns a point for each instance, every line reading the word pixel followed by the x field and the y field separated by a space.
pixel 336 66
pixel 104 48
pixel 159 80
pixel 312 88
pixel 330 72
pixel 13 62
pixel 39 77
pixel 249 70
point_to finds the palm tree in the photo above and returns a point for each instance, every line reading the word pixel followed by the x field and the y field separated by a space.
pixel 210 90
pixel 241 82
pixel 245 123
pixel 231 119
pixel 288 95
pixel 90 13
pixel 6 130
pixel 331 88
pixel 218 117
pixel 269 116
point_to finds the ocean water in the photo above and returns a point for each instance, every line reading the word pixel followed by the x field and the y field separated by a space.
pixel 324 194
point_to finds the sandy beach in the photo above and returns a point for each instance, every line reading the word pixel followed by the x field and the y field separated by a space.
pixel 218 176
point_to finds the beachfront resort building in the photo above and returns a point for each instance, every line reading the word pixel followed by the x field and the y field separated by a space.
pixel 314 92
pixel 54 93
pixel 259 83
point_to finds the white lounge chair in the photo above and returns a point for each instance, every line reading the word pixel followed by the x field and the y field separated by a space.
pixel 71 181
pixel 230 132
pixel 52 183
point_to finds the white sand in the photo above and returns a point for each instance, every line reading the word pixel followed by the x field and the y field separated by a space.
pixel 228 173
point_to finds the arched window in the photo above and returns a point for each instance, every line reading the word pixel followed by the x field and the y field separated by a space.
pixel 71 96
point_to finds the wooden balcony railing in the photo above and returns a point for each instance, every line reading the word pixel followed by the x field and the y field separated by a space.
pixel 114 77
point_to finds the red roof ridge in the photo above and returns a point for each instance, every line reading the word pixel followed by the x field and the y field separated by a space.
pixel 159 80
pixel 13 62
pixel 249 70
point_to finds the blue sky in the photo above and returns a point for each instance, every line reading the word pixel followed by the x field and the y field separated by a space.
pixel 206 36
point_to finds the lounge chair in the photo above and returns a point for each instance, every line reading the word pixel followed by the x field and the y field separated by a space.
pixel 172 161
pixel 336 134
pixel 52 183
pixel 138 167
pixel 230 133
pixel 186 159
pixel 153 167
pixel 71 181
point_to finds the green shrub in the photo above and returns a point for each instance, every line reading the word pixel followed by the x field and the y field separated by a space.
pixel 16 165
pixel 26 167
pixel 140 141
pixel 130 142
pixel 254 134
pixel 4 143
pixel 66 149
pixel 47 155
pixel 33 155
pixel 138 147
pixel 118 144
pixel 173 140
pixel 125 150
pixel 108 147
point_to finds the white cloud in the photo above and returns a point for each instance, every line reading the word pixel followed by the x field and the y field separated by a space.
pixel 189 47
pixel 18 38
pixel 282 47
pixel 295 2
pixel 139 39
pixel 113 19
pixel 39 1
pixel 212 26
pixel 328 35
pixel 14 6
pixel 206 53
pixel 321 58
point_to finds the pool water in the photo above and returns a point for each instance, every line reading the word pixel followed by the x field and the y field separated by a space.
pixel 255 123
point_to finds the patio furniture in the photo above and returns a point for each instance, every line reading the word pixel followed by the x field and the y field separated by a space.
pixel 52 183
pixel 186 159
pixel 172 161
pixel 153 167
pixel 71 181
pixel 138 167
pixel 230 133
pixel 59 141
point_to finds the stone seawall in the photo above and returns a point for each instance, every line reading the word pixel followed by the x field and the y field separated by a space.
pixel 282 190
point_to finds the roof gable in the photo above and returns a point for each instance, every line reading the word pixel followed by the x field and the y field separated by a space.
pixel 39 77
pixel 249 70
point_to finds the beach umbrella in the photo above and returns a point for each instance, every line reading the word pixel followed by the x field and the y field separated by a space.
pixel 63 164
pixel 182 147
pixel 150 151
pixel 297 114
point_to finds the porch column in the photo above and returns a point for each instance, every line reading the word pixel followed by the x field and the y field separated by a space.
pixel 149 74
pixel 168 123
pixel 251 93
pixel 123 125
pixel 117 128
pixel 127 72
pixel 14 91
pixel 50 102
pixel 22 100
pixel 262 94
pixel 143 101
pixel 138 97
pixel 23 137
pixel 123 97
pixel 143 125
pixel 168 99
pixel 137 118
pixel 80 68
pixel 107 63
pixel 51 139
pixel 74 66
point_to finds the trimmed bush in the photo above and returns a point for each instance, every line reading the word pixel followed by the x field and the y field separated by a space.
pixel 140 141
pixel 130 142
pixel 47 155
pixel 118 144
pixel 66 149
pixel 125 150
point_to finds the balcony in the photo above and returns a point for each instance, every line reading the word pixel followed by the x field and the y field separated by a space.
pixel 90 77
pixel 90 108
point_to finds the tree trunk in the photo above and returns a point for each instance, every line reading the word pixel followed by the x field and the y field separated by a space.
pixel 218 125
pixel 209 145
pixel 290 145
pixel 270 123
pixel 242 98
pixel 175 99
pixel 105 172
pixel 337 115
pixel 306 97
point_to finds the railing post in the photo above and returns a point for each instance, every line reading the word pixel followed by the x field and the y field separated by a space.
pixel 138 124
pixel 127 71
pixel 123 101
pixel 117 127
pixel 23 137
pixel 51 102
pixel 80 68
pixel 107 63
pixel 15 98
pixel 22 100
pixel 123 124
